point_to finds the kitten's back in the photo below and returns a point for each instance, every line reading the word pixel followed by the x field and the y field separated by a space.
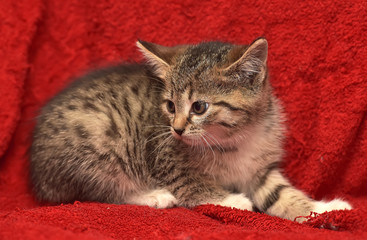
pixel 86 142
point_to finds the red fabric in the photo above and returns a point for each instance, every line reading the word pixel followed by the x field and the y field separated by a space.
pixel 317 60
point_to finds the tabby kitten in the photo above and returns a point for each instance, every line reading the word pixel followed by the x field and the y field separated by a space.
pixel 198 124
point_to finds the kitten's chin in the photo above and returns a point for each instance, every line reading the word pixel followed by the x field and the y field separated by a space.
pixel 188 140
pixel 200 141
pixel 205 140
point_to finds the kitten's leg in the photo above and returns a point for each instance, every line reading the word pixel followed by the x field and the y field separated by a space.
pixel 239 201
pixel 162 198
pixel 336 204
pixel 190 187
pixel 276 196
pixel 159 198
pixel 191 190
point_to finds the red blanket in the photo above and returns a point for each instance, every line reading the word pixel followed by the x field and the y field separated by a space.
pixel 317 60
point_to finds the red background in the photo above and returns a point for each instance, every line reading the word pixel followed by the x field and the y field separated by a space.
pixel 317 61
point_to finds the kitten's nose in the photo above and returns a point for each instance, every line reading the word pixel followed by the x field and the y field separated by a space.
pixel 179 131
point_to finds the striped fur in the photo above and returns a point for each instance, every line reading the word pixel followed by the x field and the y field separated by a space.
pixel 198 124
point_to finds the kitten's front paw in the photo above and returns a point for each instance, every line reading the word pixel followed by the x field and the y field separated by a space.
pixel 237 201
pixel 336 204
pixel 159 198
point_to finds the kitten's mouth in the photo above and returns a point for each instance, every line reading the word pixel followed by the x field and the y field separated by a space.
pixel 177 136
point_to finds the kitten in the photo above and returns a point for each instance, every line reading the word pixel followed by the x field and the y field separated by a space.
pixel 198 124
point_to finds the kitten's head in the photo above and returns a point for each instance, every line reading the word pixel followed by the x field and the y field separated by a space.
pixel 213 91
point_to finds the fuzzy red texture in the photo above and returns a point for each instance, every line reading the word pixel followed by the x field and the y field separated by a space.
pixel 317 61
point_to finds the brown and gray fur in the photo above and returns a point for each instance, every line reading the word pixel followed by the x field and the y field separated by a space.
pixel 133 134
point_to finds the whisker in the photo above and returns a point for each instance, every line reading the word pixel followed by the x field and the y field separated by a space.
pixel 213 161
pixel 156 131
pixel 158 136
pixel 160 146
pixel 216 143
pixel 203 137
pixel 158 126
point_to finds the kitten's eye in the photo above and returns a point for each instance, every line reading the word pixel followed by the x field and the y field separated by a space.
pixel 199 107
pixel 170 107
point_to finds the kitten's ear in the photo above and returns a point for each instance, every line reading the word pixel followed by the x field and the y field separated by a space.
pixel 160 57
pixel 249 65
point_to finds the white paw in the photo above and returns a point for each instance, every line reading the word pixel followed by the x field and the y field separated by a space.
pixel 335 204
pixel 237 201
pixel 159 198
